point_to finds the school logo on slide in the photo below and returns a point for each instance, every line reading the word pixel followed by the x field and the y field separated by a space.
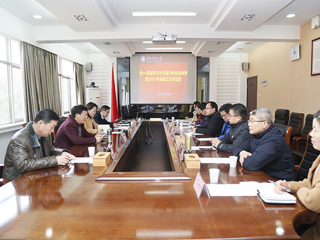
pixel 143 59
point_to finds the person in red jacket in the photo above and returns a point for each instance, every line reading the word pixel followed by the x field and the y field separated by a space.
pixel 72 131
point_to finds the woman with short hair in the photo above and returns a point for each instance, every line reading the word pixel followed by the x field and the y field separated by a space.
pixel 90 124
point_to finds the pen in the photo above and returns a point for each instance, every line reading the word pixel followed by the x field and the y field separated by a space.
pixel 283 188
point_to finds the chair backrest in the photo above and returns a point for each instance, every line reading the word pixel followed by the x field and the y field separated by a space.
pixel 60 121
pixel 285 131
pixel 306 129
pixel 296 120
pixel 309 156
pixel 281 116
pixel 307 126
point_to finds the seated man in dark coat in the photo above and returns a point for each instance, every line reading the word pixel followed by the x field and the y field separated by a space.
pixel 101 116
pixel 72 131
pixel 239 131
pixel 30 149
pixel 266 150
pixel 215 121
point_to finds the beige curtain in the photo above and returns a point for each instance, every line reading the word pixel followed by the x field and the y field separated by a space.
pixel 41 80
pixel 79 82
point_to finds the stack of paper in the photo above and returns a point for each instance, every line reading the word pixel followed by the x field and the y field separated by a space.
pixel 268 195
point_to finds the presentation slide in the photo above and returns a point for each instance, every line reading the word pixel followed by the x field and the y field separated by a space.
pixel 162 78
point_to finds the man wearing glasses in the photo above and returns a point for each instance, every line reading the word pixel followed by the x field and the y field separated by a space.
pixel 239 131
pixel 224 111
pixel 215 122
pixel 266 150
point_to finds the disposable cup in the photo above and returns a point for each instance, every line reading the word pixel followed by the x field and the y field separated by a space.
pixel 91 151
pixel 233 161
pixel 214 175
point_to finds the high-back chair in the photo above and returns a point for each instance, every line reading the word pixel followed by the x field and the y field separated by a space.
pixel 285 131
pixel 281 116
pixel 309 156
pixel 296 121
pixel 299 143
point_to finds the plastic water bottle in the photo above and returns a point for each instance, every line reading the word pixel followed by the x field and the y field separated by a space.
pixel 109 135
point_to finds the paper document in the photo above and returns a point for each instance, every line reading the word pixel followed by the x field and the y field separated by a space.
pixel 193 133
pixel 264 190
pixel 215 160
pixel 204 139
pixel 202 147
pixel 268 195
pixel 82 160
pixel 229 190
pixel 121 127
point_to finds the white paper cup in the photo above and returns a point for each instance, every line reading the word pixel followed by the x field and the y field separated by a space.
pixel 233 161
pixel 214 175
pixel 91 151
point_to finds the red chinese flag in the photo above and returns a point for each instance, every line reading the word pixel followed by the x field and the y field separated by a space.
pixel 114 104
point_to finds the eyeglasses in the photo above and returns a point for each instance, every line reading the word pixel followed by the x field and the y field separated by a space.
pixel 252 121
pixel 230 116
pixel 223 116
pixel 207 108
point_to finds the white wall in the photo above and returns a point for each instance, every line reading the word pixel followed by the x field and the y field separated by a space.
pixel 101 75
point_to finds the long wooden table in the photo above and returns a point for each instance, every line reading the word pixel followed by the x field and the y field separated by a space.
pixel 68 203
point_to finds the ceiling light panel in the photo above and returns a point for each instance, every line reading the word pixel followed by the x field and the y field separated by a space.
pixel 164 14
pixel 164 48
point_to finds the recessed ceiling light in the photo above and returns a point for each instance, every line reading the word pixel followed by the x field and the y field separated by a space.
pixel 37 16
pixel 291 15
pixel 164 14
pixel 164 48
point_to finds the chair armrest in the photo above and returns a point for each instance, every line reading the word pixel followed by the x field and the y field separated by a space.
pixel 295 134
pixel 297 141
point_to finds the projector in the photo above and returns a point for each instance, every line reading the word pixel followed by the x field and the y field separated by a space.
pixel 164 38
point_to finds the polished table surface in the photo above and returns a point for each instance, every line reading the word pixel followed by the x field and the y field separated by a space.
pixel 67 203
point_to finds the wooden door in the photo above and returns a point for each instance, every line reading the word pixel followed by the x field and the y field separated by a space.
pixel 252 93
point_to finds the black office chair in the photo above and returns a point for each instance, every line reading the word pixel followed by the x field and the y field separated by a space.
pixel 296 121
pixel 281 116
pixel 285 131
pixel 309 156
pixel 299 143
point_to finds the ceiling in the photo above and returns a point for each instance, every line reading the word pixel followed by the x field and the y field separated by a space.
pixel 112 29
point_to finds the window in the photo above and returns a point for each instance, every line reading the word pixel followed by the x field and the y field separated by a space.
pixel 67 85
pixel 11 91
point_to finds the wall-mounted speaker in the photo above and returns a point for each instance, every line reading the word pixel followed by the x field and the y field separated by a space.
pixel 315 22
pixel 245 66
pixel 88 67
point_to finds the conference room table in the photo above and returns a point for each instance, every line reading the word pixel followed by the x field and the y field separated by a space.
pixel 68 203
